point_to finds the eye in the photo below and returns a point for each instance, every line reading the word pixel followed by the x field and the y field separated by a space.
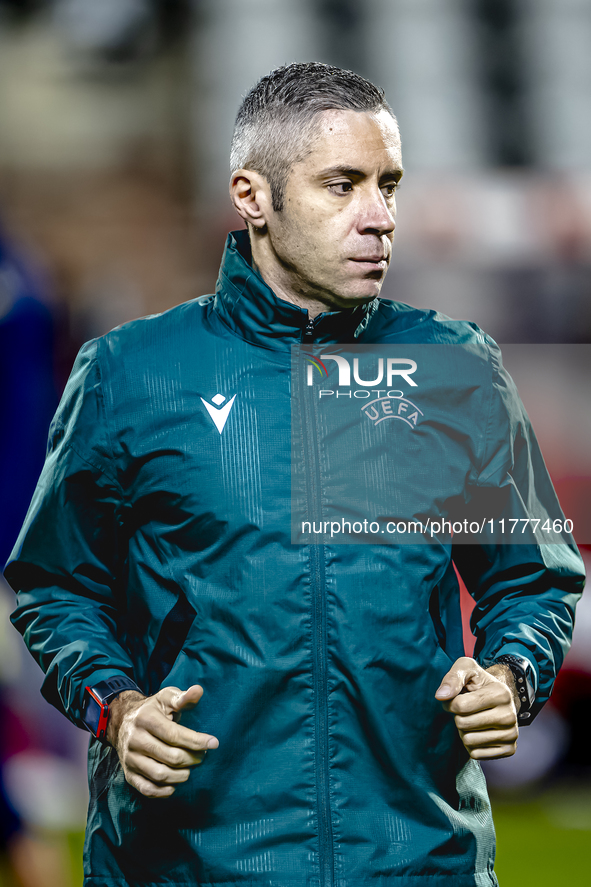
pixel 341 187
pixel 390 188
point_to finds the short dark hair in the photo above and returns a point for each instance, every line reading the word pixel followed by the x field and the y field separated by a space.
pixel 276 121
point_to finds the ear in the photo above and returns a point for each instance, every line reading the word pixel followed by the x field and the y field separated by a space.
pixel 250 194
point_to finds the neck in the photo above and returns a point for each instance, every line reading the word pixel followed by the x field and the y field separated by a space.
pixel 313 306
pixel 248 306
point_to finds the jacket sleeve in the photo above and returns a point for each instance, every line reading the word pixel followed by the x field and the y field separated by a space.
pixel 67 564
pixel 525 593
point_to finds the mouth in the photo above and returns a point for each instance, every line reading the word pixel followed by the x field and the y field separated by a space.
pixel 372 263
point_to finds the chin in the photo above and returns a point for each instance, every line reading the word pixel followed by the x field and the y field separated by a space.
pixel 370 290
pixel 351 301
pixel 356 292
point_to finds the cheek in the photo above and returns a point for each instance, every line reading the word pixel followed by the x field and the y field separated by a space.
pixel 312 238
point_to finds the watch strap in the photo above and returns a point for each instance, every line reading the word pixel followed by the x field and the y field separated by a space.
pixel 522 673
pixel 111 687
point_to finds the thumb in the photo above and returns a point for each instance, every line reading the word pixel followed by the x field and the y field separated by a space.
pixel 173 701
pixel 187 699
pixel 460 674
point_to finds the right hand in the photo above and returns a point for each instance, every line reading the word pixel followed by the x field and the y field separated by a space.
pixel 155 752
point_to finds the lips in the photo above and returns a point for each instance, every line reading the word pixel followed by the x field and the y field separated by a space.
pixel 374 263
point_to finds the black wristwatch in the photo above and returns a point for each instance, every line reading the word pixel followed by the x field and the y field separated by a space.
pixel 96 703
pixel 525 680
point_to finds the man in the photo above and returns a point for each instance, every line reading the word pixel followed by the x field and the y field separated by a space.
pixel 157 576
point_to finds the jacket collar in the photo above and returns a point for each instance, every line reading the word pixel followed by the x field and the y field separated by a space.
pixel 252 311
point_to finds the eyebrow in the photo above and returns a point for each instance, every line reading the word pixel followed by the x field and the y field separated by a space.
pixel 396 173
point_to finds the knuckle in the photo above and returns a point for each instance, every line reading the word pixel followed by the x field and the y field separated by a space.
pixel 176 757
pixel 160 773
pixel 143 786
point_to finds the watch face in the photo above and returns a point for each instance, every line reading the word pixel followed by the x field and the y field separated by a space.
pixel 92 715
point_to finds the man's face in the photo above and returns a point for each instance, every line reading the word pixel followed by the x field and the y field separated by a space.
pixel 332 241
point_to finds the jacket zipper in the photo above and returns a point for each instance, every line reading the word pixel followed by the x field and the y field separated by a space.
pixel 321 707
pixel 308 335
pixel 317 586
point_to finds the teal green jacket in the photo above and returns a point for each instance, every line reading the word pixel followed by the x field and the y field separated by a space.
pixel 159 544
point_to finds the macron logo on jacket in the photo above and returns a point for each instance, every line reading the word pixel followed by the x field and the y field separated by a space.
pixel 218 413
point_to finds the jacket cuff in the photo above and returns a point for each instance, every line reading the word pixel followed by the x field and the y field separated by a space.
pixel 74 707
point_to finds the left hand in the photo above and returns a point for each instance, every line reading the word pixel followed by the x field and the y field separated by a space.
pixel 483 702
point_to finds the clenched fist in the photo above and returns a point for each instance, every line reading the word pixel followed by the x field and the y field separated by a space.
pixel 484 704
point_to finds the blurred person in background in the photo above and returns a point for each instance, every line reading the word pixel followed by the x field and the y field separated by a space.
pixel 27 402
pixel 157 552
pixel 28 395
pixel 31 853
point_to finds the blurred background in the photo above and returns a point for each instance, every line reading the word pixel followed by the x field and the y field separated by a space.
pixel 115 123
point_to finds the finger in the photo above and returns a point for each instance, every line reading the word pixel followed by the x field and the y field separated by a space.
pixel 154 771
pixel 463 671
pixel 500 718
pixel 187 699
pixel 486 699
pixel 147 788
pixel 173 700
pixel 151 719
pixel 492 753
pixel 489 738
pixel 173 756
pixel 182 737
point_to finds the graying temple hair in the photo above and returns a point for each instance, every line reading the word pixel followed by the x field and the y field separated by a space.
pixel 276 121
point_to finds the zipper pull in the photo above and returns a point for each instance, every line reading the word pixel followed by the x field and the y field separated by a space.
pixel 309 331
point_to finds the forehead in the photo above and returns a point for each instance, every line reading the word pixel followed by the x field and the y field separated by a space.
pixel 356 139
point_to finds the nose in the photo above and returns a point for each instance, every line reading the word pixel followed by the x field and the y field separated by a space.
pixel 377 214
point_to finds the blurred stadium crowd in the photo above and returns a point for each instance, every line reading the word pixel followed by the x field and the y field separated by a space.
pixel 115 122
